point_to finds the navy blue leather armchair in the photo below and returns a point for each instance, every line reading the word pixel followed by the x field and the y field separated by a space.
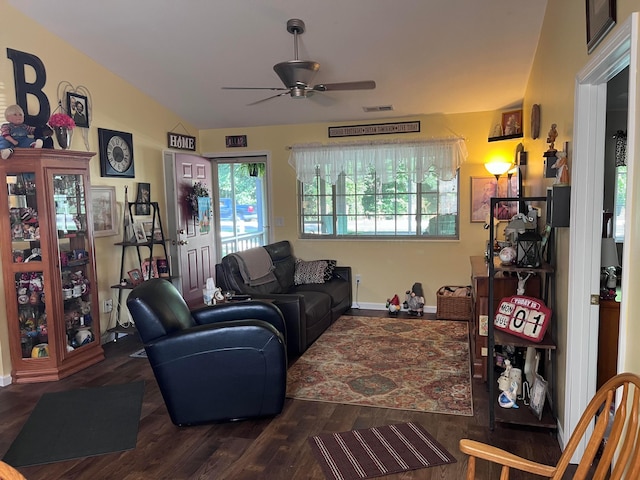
pixel 212 364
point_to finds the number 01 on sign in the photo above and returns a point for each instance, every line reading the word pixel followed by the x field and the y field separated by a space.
pixel 522 316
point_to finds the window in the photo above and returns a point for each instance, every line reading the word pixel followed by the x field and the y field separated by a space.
pixel 620 201
pixel 240 192
pixel 387 197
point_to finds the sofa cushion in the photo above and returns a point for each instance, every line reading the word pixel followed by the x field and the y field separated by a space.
pixel 338 291
pixel 309 272
pixel 317 305
pixel 283 262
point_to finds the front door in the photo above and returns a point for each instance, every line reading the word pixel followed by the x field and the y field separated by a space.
pixel 193 243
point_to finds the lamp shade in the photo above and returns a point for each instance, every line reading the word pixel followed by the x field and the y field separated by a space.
pixel 609 253
pixel 497 167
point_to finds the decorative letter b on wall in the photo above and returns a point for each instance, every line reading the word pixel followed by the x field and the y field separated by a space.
pixel 20 60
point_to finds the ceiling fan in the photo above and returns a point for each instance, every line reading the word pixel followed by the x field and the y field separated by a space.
pixel 298 74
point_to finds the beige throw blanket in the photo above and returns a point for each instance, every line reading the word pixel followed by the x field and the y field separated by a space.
pixel 256 266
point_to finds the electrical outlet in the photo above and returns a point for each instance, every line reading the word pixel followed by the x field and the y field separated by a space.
pixel 358 278
pixel 107 306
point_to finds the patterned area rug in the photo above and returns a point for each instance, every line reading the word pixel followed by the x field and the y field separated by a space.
pixel 374 452
pixel 406 364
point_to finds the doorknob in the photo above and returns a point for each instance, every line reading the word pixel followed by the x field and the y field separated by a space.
pixel 181 231
pixel 179 242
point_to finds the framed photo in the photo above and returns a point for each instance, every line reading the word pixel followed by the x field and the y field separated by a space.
pixel 484 188
pixel 512 123
pixel 143 197
pixel 538 396
pixel 138 231
pixel 77 108
pixel 105 211
pixel 601 17
pixel 135 276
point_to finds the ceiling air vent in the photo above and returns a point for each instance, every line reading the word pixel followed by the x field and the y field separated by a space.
pixel 378 108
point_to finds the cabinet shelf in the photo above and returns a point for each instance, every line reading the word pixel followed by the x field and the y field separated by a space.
pixel 148 246
pixel 525 417
pixel 505 137
pixel 48 189
pixel 522 415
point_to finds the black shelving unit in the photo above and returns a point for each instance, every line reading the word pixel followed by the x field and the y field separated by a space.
pixel 128 242
pixel 522 415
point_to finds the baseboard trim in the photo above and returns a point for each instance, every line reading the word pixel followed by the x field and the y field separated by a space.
pixel 382 306
pixel 5 381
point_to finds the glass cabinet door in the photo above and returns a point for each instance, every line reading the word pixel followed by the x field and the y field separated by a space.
pixel 25 248
pixel 75 264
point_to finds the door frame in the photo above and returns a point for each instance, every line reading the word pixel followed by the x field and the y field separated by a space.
pixel 617 52
pixel 268 220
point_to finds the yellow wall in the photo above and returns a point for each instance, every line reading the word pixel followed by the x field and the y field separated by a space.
pixel 115 105
pixel 561 54
pixel 387 266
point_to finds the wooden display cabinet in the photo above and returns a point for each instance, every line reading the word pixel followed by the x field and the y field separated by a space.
pixel 48 264
pixel 504 285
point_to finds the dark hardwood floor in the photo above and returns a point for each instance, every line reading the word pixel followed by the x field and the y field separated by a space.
pixel 274 448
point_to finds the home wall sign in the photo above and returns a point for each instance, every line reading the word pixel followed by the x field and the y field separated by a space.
pixel 181 142
pixel 374 129
pixel 232 141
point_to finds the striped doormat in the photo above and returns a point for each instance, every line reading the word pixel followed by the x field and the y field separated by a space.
pixel 374 452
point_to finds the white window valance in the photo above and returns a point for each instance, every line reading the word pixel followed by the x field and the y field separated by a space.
pixel 418 157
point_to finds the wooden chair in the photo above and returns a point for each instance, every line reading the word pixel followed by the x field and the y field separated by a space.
pixel 7 472
pixel 620 457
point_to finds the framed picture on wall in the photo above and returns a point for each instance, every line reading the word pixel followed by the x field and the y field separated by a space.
pixel 601 17
pixel 484 188
pixel 77 108
pixel 512 122
pixel 143 199
pixel 105 211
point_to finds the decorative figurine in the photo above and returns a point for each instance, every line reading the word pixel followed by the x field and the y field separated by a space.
pixel 15 133
pixel 551 137
pixel 414 301
pixel 562 169
pixel 393 305
pixel 503 379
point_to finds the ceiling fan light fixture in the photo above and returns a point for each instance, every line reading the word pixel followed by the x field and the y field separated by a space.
pixel 297 75
pixel 296 72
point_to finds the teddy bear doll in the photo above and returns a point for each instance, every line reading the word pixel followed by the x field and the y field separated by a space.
pixel 414 301
pixel 15 133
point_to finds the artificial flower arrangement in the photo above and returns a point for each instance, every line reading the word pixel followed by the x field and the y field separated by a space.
pixel 199 189
pixel 61 120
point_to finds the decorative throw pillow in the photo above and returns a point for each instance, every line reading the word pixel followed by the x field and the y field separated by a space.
pixel 328 272
pixel 309 272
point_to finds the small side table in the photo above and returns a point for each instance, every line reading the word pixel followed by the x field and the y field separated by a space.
pixel 608 333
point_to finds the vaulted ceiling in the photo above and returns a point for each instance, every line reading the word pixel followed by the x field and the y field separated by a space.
pixel 426 57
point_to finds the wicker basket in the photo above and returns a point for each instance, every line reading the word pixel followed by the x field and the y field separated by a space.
pixel 453 308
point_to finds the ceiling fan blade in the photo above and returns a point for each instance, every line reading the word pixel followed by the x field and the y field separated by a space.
pixel 255 88
pixel 268 98
pixel 363 85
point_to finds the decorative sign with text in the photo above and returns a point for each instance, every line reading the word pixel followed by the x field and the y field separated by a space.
pixel 235 141
pixel 374 129
pixel 524 317
pixel 181 142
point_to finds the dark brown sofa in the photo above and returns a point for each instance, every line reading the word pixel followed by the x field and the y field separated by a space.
pixel 308 309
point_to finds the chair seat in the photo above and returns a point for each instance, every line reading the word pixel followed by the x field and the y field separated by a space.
pixel 219 363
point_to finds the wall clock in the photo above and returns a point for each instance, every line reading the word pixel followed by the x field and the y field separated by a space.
pixel 116 153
